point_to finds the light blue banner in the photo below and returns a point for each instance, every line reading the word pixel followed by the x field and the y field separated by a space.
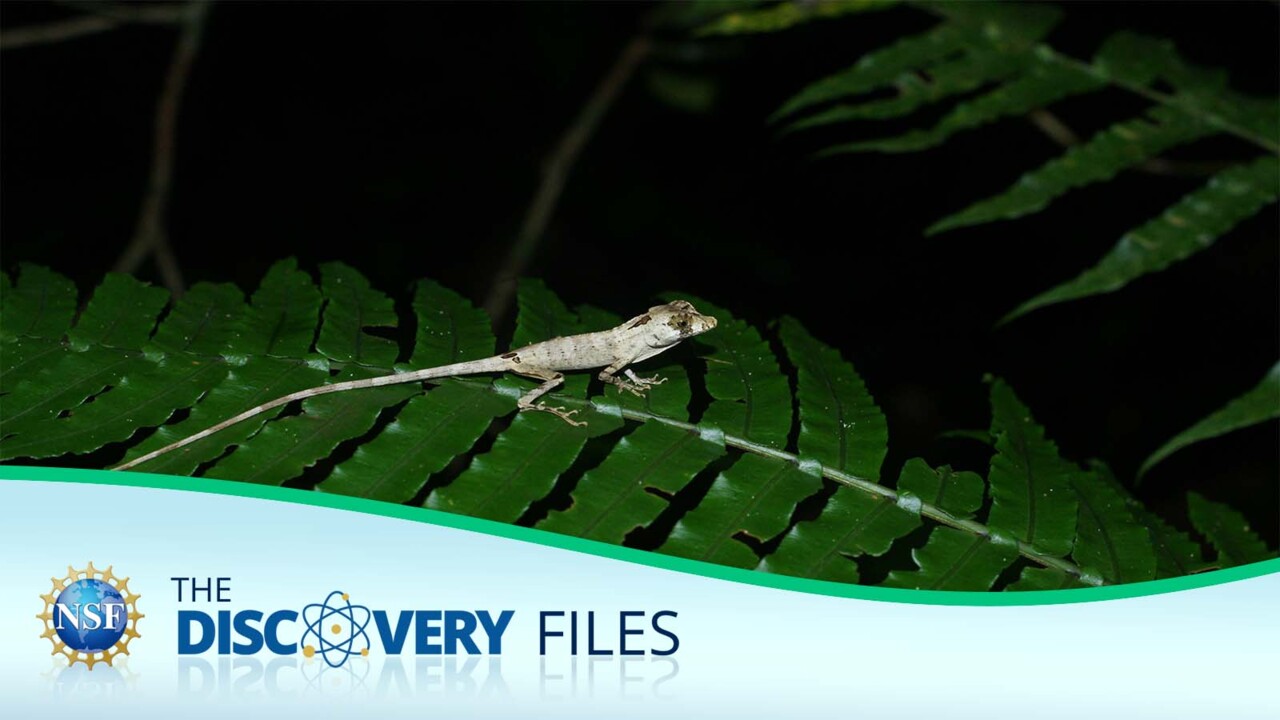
pixel 455 622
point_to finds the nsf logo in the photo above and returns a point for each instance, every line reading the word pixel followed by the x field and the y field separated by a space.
pixel 90 616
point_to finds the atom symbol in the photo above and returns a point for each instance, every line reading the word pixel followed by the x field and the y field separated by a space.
pixel 317 617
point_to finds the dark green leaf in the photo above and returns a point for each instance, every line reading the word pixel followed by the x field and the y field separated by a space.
pixel 40 305
pixel 1258 405
pixel 450 329
pixel 521 467
pixel 1176 553
pixel 1037 578
pixel 282 317
pixel 64 383
pixel 427 433
pixel 744 378
pixel 618 496
pixel 145 398
pixel 1042 82
pixel 852 524
pixel 286 447
pixel 1110 542
pixel 959 493
pixel 756 496
pixel 955 560
pixel 121 314
pixel 351 306
pixel 1100 158
pixel 783 15
pixel 1186 228
pixel 1227 531
pixel 1031 494
pixel 947 78
pixel 881 68
pixel 208 320
pixel 23 358
pixel 258 381
pixel 840 424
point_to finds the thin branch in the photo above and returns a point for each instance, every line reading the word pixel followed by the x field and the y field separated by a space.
pixel 554 174
pixel 100 17
pixel 150 12
pixel 56 31
pixel 150 237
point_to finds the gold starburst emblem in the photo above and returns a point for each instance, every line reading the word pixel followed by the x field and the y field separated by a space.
pixel 51 624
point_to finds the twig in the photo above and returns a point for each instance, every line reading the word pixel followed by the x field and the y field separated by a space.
pixel 555 172
pixel 150 237
pixel 101 17
pixel 56 31
pixel 1058 131
pixel 150 12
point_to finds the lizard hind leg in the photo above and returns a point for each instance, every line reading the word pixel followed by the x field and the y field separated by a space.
pixel 551 380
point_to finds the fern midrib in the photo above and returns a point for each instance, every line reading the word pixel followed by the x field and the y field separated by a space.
pixel 748 396
pixel 44 304
pixel 1112 555
pixel 747 509
pixel 639 482
pixel 54 346
pixel 1021 443
pixel 500 488
pixel 929 510
pixel 841 431
pixel 287 454
pixel 125 413
pixel 942 489
pixel 857 527
pixel 1226 547
pixel 958 565
pixel 99 371
pixel 278 329
pixel 199 329
pixel 1160 541
pixel 410 452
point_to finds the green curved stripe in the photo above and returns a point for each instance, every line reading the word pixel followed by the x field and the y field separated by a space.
pixel 639 557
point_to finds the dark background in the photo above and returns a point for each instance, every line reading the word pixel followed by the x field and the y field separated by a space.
pixel 407 139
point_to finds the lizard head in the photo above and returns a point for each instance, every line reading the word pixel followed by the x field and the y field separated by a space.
pixel 675 321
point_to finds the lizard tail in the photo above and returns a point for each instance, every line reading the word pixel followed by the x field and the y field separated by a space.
pixel 471 367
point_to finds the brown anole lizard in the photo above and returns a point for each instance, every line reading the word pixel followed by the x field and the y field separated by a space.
pixel 640 338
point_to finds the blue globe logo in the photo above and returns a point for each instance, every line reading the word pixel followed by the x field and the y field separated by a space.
pixel 90 615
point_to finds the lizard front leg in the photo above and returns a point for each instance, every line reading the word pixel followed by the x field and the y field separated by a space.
pixel 637 387
pixel 644 382
pixel 551 380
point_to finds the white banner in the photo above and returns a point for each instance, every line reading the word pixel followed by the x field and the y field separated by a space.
pixel 279 603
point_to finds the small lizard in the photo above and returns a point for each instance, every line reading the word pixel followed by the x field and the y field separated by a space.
pixel 640 338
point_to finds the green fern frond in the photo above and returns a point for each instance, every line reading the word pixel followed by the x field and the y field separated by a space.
pixel 125 377
pixel 1227 531
pixel 784 15
pixel 993 56
pixel 1259 404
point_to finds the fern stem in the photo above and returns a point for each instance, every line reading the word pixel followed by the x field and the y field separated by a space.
pixel 933 512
